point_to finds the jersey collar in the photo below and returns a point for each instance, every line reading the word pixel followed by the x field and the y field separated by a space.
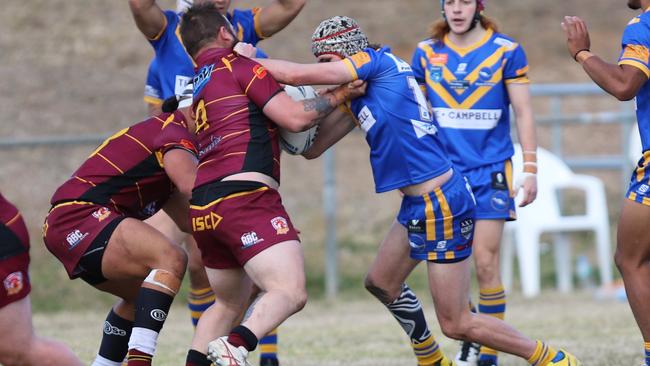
pixel 462 51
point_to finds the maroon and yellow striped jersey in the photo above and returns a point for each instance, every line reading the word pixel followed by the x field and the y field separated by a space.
pixel 234 135
pixel 126 171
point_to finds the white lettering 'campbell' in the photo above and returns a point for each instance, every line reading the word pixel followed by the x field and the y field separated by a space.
pixel 468 119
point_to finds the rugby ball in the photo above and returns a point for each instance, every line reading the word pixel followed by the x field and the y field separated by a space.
pixel 296 143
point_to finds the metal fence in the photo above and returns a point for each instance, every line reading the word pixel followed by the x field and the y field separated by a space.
pixel 556 119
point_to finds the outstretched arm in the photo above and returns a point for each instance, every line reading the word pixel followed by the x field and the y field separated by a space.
pixel 327 73
pixel 332 129
pixel 148 16
pixel 277 15
pixel 621 81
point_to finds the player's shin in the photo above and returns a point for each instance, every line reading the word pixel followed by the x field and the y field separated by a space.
pixel 152 305
pixel 115 341
pixel 407 310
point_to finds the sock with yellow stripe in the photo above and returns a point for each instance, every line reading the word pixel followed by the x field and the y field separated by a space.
pixel 407 310
pixel 543 355
pixel 647 353
pixel 492 302
pixel 198 301
pixel 269 349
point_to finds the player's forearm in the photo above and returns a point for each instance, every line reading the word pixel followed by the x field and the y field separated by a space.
pixel 148 16
pixel 277 15
pixel 332 129
pixel 316 109
pixel 608 76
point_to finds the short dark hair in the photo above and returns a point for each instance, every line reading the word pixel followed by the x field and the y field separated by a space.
pixel 200 25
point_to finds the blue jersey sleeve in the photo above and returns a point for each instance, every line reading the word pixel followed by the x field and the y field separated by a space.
pixel 635 45
pixel 172 20
pixel 418 64
pixel 516 67
pixel 246 25
pixel 153 87
pixel 362 65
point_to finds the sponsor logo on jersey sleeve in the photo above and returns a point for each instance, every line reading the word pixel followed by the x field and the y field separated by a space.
pixel 359 59
pixel 260 71
pixel 202 77
pixel 13 283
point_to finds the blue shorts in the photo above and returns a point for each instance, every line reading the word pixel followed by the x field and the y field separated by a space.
pixel 440 224
pixel 639 189
pixel 492 187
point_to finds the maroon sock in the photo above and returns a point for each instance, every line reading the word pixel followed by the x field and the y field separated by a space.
pixel 242 336
pixel 138 358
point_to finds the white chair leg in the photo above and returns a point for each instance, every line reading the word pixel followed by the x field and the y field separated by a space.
pixel 506 257
pixel 528 253
pixel 604 255
pixel 563 268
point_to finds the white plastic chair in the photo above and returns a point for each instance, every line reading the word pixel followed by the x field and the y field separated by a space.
pixel 544 216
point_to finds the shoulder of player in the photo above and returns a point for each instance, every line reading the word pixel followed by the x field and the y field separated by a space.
pixel 173 18
pixel 503 40
pixel 639 23
pixel 235 14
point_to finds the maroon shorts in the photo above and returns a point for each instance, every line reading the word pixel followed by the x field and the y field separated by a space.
pixel 14 257
pixel 70 228
pixel 234 221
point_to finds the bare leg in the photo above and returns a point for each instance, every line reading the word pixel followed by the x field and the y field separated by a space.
pixel 633 260
pixel 449 284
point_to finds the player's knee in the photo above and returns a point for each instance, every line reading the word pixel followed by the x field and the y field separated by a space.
pixel 379 291
pixel 456 326
pixel 172 259
pixel 298 298
pixel 486 272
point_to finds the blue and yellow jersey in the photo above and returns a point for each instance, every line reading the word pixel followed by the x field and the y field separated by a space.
pixel 171 68
pixel 635 45
pixel 467 90
pixel 404 146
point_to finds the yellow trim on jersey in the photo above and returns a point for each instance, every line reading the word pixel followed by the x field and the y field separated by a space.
pixel 638 65
pixel 8 223
pixel 103 144
pixel 160 33
pixel 85 181
pixel 488 62
pixel 646 201
pixel 632 196
pixel 430 218
pixel 224 98
pixel 152 100
pixel 450 255
pixel 447 216
pixel 522 71
pixel 139 143
pixel 111 163
pixel 234 113
pixel 70 203
pixel 462 51
pixel 640 171
pixel 520 80
pixel 234 195
pixel 256 23
pixel 508 171
pixel 353 71
pixel 235 133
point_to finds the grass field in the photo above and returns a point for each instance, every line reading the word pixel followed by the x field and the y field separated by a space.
pixel 360 332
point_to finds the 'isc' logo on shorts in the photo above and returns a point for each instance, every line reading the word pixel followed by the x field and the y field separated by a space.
pixel 207 222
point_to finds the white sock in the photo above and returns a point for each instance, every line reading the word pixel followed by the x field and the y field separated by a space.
pixel 101 361
pixel 144 340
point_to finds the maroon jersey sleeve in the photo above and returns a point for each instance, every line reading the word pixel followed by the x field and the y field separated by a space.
pixel 174 135
pixel 256 82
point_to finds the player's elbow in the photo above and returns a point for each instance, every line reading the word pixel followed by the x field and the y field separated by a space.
pixel 137 6
pixel 297 123
pixel 624 92
pixel 312 153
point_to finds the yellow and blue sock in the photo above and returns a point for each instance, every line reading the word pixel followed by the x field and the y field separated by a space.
pixel 269 349
pixel 407 310
pixel 543 355
pixel 198 301
pixel 647 353
pixel 491 302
